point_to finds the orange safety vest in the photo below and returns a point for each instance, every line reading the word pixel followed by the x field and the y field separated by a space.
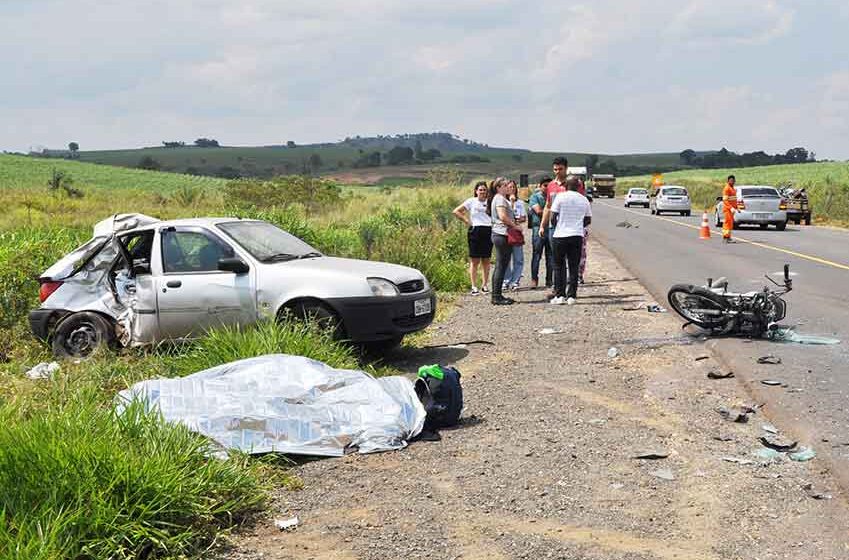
pixel 729 198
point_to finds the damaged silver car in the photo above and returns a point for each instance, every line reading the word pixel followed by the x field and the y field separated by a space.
pixel 139 281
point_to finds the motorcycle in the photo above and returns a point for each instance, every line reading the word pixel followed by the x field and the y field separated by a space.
pixel 715 309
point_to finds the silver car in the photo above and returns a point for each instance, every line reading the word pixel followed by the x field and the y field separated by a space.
pixel 139 281
pixel 758 205
pixel 638 197
pixel 670 198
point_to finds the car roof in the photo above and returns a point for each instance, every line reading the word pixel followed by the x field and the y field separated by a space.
pixel 754 187
pixel 202 222
pixel 673 187
pixel 637 189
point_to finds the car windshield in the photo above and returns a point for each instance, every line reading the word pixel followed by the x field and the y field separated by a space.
pixel 759 192
pixel 267 242
pixel 71 263
pixel 639 191
pixel 675 191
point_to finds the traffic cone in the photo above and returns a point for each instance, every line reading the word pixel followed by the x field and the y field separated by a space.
pixel 704 231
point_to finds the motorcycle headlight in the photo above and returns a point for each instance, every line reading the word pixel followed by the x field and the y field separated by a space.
pixel 382 287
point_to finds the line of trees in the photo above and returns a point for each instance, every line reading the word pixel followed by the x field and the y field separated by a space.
pixel 725 158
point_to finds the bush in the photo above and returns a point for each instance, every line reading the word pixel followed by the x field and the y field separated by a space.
pixel 312 193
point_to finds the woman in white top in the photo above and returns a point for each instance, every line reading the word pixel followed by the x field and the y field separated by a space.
pixel 473 213
pixel 517 257
pixel 502 218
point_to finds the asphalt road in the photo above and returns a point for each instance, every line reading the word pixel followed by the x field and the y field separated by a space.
pixel 666 250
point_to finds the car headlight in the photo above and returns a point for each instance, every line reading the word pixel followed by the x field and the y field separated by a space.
pixel 382 287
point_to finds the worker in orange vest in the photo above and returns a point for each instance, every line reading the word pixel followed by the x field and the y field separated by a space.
pixel 729 207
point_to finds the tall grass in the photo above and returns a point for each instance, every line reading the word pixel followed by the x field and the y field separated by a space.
pixel 78 481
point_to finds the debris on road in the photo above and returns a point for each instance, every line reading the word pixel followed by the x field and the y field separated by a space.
pixel 803 454
pixel 740 416
pixel 550 330
pixel 777 444
pixel 664 474
pixel 44 370
pixel 717 375
pixel 654 454
pixel 769 428
pixel 613 352
pixel 287 524
pixel 655 308
pixel 789 334
pixel 738 460
pixel 767 454
pixel 700 358
pixel 771 382
pixel 627 224
pixel 770 359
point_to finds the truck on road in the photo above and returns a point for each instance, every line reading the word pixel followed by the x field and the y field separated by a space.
pixel 604 184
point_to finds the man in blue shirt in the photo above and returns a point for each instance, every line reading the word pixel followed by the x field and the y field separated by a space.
pixel 536 205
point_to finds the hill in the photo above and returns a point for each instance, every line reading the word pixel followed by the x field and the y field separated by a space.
pixel 365 159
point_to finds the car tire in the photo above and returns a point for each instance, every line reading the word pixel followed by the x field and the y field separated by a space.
pixel 764 226
pixel 781 227
pixel 316 311
pixel 79 335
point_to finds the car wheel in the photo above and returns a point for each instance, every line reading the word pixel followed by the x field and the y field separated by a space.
pixel 781 227
pixel 687 213
pixel 78 335
pixel 320 314
pixel 764 226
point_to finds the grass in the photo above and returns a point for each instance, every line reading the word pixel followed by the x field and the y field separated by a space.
pixel 77 481
pixel 827 185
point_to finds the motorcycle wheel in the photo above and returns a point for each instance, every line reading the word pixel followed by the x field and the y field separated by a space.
pixel 699 306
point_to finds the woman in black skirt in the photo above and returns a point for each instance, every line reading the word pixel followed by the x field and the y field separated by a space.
pixel 473 213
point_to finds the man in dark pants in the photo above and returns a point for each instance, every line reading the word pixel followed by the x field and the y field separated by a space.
pixel 540 241
pixel 573 215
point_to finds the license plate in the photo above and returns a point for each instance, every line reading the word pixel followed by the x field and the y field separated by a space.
pixel 761 215
pixel 422 307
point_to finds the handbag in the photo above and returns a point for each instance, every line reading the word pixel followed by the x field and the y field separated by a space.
pixel 515 236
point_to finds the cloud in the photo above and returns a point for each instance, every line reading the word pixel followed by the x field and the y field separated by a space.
pixel 736 22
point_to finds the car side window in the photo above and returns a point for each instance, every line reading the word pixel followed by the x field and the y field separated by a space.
pixel 192 251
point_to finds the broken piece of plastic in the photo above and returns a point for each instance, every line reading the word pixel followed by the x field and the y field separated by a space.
pixel 717 375
pixel 772 360
pixel 653 454
pixel 803 454
pixel 44 370
pixel 286 524
pixel 777 444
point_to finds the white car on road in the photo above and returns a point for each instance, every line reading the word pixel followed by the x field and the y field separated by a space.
pixel 670 198
pixel 637 197
pixel 760 205
pixel 139 281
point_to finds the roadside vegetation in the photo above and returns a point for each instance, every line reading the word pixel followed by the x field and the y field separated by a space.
pixel 79 481
pixel 827 184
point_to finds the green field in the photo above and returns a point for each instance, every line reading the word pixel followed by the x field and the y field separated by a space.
pixel 77 481
pixel 827 184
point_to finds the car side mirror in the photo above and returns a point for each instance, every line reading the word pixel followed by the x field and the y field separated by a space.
pixel 233 264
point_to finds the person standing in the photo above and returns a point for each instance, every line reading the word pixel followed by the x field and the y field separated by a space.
pixel 560 167
pixel 729 207
pixel 473 213
pixel 573 216
pixel 539 240
pixel 501 213
pixel 517 257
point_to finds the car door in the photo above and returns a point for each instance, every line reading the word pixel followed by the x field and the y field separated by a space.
pixel 193 295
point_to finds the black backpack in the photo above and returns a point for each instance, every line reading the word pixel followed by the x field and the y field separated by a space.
pixel 442 398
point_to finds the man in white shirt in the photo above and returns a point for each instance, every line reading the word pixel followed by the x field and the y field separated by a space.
pixel 573 215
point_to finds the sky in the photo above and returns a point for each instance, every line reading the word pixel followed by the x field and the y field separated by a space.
pixel 603 76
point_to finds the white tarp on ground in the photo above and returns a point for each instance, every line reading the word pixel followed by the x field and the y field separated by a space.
pixel 289 404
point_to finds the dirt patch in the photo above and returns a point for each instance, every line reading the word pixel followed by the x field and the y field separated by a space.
pixel 543 465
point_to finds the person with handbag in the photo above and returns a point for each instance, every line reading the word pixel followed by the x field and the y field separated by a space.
pixel 473 213
pixel 501 214
pixel 516 240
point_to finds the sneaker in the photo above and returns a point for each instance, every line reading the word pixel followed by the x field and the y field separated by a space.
pixel 557 300
pixel 485 290
pixel 571 301
pixel 475 290
pixel 514 288
pixel 503 301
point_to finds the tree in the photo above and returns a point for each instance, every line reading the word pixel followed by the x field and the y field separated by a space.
pixel 796 155
pixel 74 148
pixel 149 163
pixel 687 156
pixel 290 144
pixel 315 161
pixel 418 149
pixel 399 155
pixel 174 144
pixel 371 159
pixel 206 143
